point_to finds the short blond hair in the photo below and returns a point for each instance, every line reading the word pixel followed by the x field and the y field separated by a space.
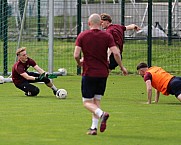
pixel 19 50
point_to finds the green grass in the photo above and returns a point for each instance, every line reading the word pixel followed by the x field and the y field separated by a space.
pixel 45 120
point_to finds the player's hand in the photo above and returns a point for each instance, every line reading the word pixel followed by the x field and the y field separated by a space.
pixel 81 62
pixel 41 76
pixel 124 70
pixel 49 75
pixel 137 28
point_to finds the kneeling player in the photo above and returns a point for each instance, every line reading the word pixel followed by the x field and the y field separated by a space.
pixel 22 79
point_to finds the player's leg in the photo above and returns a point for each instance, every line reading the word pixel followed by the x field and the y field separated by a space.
pixel 46 80
pixel 49 84
pixel 88 91
pixel 112 62
pixel 93 87
pixel 175 87
pixel 100 89
pixel 95 118
pixel 29 89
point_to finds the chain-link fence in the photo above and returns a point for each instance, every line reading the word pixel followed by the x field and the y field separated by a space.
pixel 35 32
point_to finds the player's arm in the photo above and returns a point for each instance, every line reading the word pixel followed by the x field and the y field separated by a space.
pixel 157 95
pixel 38 69
pixel 117 57
pixel 27 77
pixel 108 53
pixel 132 27
pixel 149 90
pixel 77 55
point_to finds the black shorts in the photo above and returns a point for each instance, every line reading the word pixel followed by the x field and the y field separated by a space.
pixel 93 86
pixel 28 88
pixel 174 87
pixel 112 62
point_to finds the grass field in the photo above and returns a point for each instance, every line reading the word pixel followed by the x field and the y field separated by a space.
pixel 45 120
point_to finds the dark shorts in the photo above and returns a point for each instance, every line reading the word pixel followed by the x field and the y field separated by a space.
pixel 113 64
pixel 29 89
pixel 93 86
pixel 174 87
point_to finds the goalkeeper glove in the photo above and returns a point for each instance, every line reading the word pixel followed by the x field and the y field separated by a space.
pixel 41 76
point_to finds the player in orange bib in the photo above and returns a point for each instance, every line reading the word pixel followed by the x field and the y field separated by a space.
pixel 161 80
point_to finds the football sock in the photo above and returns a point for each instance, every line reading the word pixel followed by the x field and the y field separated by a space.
pixel 54 88
pixel 98 112
pixel 95 122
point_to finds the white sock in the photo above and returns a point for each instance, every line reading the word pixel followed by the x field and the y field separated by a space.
pixel 95 122
pixel 99 112
pixel 54 88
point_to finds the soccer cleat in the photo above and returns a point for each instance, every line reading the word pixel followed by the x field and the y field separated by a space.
pixel 54 92
pixel 104 117
pixel 92 131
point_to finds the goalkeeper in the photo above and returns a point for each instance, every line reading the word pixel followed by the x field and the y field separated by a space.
pixel 22 79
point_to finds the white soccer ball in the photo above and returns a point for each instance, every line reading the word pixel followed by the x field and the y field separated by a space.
pixel 1 79
pixel 61 94
pixel 62 71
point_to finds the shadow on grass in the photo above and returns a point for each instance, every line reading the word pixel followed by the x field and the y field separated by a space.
pixel 171 103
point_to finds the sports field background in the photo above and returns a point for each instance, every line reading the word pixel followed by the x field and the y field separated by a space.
pixel 45 120
pixel 35 35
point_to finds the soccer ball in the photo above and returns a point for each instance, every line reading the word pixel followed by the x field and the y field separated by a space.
pixel 1 79
pixel 61 94
pixel 62 71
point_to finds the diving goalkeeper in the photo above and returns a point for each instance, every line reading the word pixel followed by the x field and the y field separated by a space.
pixel 22 79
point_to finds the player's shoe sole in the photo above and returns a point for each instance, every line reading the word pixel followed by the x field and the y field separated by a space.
pixel 92 131
pixel 103 122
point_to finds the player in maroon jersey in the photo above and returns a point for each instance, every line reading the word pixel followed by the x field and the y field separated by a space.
pixel 94 44
pixel 22 79
pixel 117 31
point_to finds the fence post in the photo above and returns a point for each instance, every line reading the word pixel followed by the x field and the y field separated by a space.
pixel 149 39
pixel 170 22
pixel 122 11
pixel 78 27
pixel 39 27
pixel 50 36
pixel 5 35
pixel 1 15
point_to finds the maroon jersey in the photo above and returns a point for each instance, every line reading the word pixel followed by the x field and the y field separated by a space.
pixel 147 76
pixel 20 68
pixel 117 32
pixel 94 44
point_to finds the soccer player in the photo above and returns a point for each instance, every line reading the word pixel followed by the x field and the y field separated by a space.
pixel 161 80
pixel 117 31
pixel 94 44
pixel 22 79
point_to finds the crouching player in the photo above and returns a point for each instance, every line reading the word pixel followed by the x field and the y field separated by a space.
pixel 22 79
pixel 161 80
